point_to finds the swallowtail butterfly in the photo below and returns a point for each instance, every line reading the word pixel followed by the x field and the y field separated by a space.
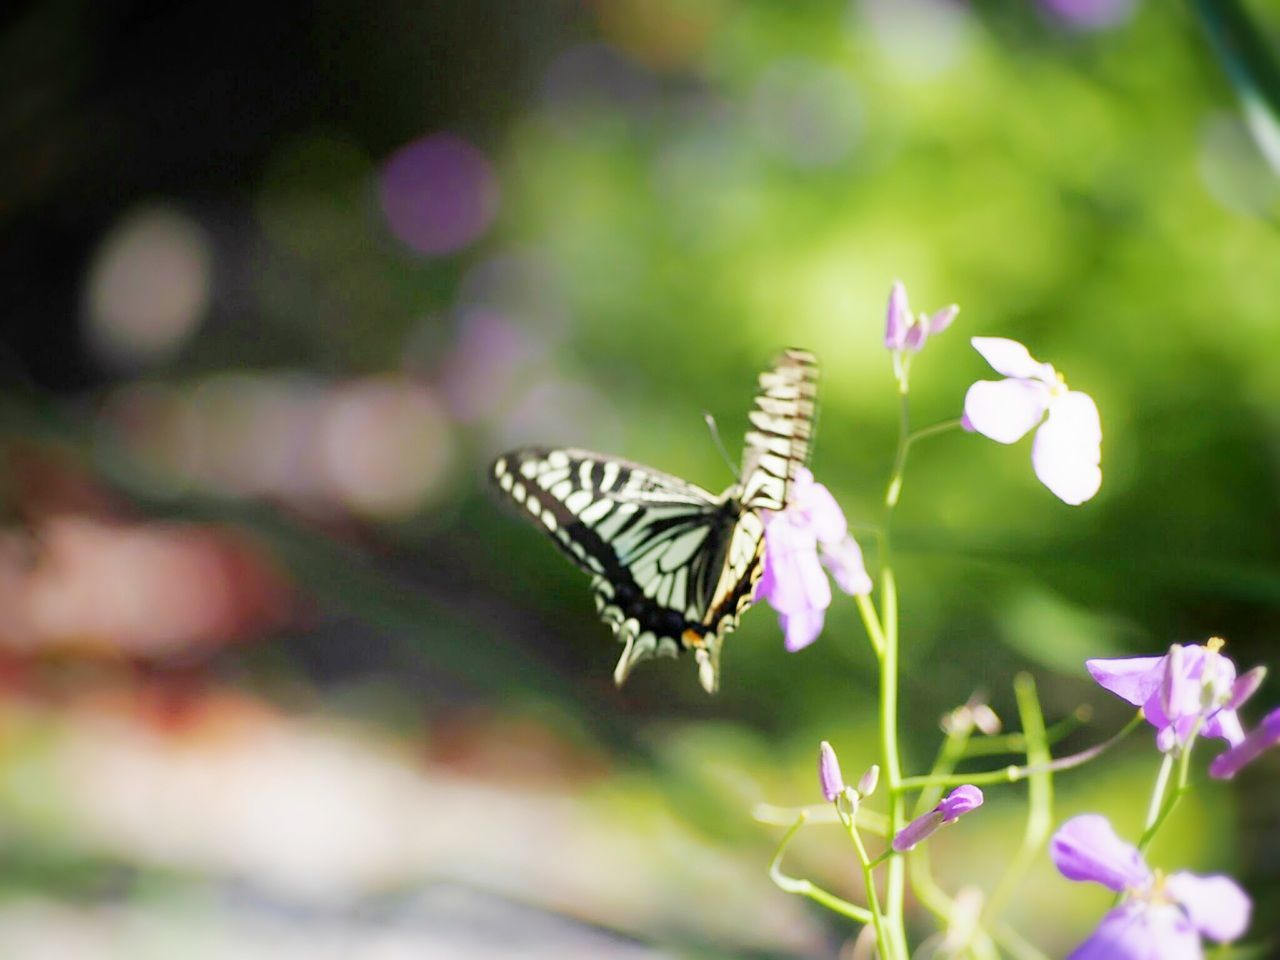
pixel 672 565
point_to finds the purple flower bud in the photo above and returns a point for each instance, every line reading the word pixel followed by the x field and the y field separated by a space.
pixel 829 773
pixel 942 319
pixel 1262 738
pixel 898 318
pixel 960 801
pixel 917 333
pixel 868 782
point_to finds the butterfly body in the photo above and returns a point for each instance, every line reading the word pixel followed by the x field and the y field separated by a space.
pixel 672 565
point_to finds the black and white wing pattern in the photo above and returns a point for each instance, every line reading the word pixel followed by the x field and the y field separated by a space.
pixel 672 565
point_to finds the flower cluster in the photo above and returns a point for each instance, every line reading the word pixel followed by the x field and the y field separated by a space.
pixel 1193 690
pixel 1161 917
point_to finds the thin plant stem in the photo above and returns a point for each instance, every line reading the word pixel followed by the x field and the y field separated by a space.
pixel 871 620
pixel 1017 742
pixel 896 880
pixel 805 888
pixel 1158 794
pixel 883 943
pixel 823 814
pixel 1014 774
pixel 894 492
pixel 1180 788
pixel 1039 795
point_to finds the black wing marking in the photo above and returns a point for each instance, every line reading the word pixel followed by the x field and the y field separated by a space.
pixel 782 430
pixel 654 544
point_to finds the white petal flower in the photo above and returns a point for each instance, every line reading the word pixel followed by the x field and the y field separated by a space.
pixel 1067 452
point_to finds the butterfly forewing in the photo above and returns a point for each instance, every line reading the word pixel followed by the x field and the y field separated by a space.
pixel 778 442
pixel 672 565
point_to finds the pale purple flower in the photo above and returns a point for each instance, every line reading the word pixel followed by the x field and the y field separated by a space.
pixel 1191 684
pixel 902 331
pixel 829 775
pixel 1265 736
pixel 1067 451
pixel 810 533
pixel 956 804
pixel 1161 918
pixel 1090 14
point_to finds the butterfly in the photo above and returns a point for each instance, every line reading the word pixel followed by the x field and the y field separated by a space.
pixel 672 566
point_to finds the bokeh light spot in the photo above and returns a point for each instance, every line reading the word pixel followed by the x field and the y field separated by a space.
pixel 148 286
pixel 386 446
pixel 439 194
pixel 807 113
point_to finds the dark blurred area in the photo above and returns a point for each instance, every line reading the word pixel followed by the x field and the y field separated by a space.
pixel 279 676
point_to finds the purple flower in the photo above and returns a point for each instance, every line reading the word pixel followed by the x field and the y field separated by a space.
pixel 829 772
pixel 810 533
pixel 904 332
pixel 1190 684
pixel 1267 735
pixel 1090 14
pixel 1068 446
pixel 956 804
pixel 1162 918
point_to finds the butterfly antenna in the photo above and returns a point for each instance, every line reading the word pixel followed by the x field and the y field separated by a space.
pixel 715 435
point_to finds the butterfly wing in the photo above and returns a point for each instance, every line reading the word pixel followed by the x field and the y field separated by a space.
pixel 777 445
pixel 654 545
pixel 781 431
pixel 673 567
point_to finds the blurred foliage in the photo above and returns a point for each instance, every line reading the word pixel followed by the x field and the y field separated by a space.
pixel 681 190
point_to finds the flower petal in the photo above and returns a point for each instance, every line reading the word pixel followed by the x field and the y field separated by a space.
pixel 1005 410
pixel 1140 931
pixel 845 564
pixel 1068 448
pixel 802 628
pixel 898 317
pixel 1133 679
pixel 1262 738
pixel 825 517
pixel 1216 905
pixel 795 579
pixel 1086 848
pixel 1012 359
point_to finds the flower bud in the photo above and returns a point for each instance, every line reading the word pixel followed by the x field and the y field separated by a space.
pixel 868 782
pixel 960 801
pixel 829 773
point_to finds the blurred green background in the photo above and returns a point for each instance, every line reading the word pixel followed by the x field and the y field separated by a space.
pixel 281 677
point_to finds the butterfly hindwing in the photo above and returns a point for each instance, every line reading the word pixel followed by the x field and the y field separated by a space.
pixel 672 565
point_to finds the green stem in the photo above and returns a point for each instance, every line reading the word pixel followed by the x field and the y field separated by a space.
pixel 805 888
pixel 905 440
pixel 1017 743
pixel 895 889
pixel 1014 774
pixel 883 943
pixel 823 813
pixel 1039 795
pixel 871 620
pixel 1170 799
pixel 1158 794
